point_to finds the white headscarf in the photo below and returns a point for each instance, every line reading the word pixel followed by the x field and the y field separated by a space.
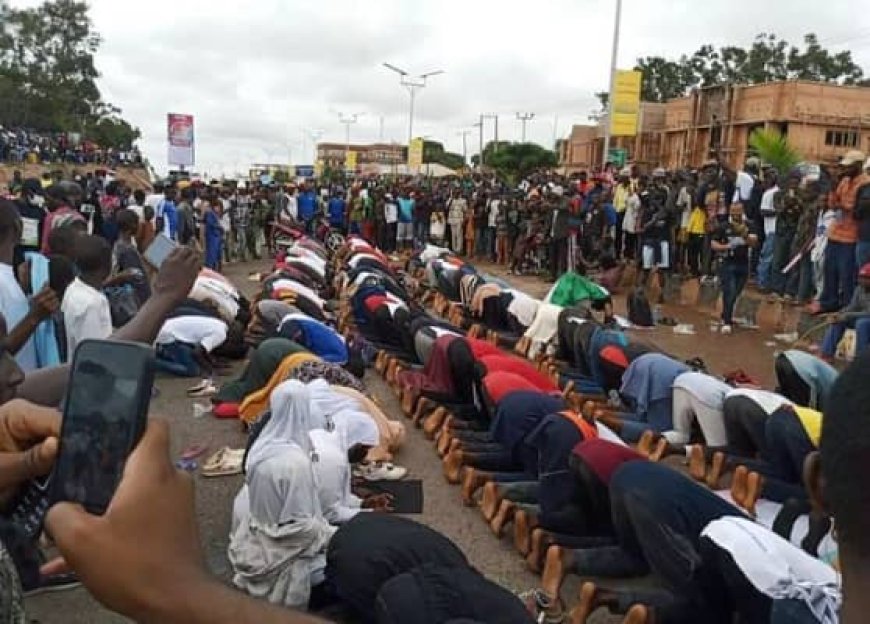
pixel 332 469
pixel 292 418
pixel 279 538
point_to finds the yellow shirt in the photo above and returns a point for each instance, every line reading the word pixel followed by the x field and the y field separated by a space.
pixel 697 221
pixel 811 420
pixel 620 197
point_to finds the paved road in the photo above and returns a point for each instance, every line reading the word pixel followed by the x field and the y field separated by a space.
pixel 443 509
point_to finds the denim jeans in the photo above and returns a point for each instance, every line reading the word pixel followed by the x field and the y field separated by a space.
pixel 177 358
pixel 835 334
pixel 421 231
pixel 732 278
pixel 765 261
pixel 840 275
pixel 781 258
pixel 862 253
pixel 658 417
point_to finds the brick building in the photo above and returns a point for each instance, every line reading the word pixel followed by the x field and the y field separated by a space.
pixel 822 121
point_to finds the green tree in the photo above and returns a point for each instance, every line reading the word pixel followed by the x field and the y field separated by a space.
pixel 515 160
pixel 769 58
pixel 774 149
pixel 48 76
pixel 433 152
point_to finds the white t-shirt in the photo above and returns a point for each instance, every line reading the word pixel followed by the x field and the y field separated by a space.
pixel 391 212
pixel 14 306
pixel 767 210
pixel 86 315
pixel 208 332
pixel 743 190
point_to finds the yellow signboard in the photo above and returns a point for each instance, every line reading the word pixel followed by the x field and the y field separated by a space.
pixel 626 103
pixel 350 160
pixel 415 154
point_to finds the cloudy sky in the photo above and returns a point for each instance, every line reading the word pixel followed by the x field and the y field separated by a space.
pixel 261 77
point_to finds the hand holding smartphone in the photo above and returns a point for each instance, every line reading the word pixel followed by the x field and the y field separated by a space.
pixel 104 415
pixel 159 250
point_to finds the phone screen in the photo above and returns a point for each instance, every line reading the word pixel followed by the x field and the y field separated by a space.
pixel 104 416
pixel 159 249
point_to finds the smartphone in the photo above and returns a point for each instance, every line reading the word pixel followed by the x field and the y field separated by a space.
pixel 159 250
pixel 104 416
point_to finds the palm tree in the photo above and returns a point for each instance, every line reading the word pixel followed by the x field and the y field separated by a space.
pixel 773 149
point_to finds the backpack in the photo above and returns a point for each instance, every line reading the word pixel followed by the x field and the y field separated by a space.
pixel 639 311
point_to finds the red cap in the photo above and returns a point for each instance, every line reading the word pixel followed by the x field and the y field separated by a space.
pixel 865 271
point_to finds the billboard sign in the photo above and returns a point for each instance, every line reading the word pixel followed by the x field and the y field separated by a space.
pixel 179 128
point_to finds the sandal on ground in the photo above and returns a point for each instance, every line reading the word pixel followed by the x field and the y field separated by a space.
pixel 223 463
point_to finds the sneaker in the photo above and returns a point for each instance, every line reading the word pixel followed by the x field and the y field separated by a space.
pixel 726 329
pixel 384 471
pixel 53 583
pixel 199 391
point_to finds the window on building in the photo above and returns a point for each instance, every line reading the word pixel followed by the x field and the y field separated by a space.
pixel 841 138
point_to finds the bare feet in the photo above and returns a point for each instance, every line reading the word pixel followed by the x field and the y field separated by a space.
pixel 558 562
pixel 490 501
pixel 455 445
pixel 524 524
pixel 659 451
pixel 585 604
pixel 638 614
pixel 645 444
pixel 409 400
pixel 434 421
pixel 739 485
pixel 505 514
pixel 754 483
pixel 540 541
pixel 452 464
pixel 717 467
pixel 697 463
pixel 444 441
pixel 424 406
pixel 472 481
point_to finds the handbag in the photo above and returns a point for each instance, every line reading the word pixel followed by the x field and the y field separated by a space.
pixel 123 304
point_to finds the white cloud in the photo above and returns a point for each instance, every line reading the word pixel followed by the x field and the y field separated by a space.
pixel 257 75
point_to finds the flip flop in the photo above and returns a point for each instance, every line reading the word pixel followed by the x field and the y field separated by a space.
pixel 206 391
pixel 224 462
pixel 198 386
pixel 193 451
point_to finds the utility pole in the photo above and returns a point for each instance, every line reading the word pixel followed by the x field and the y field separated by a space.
pixel 525 117
pixel 555 129
pixel 479 124
pixel 381 130
pixel 314 135
pixel 464 134
pixel 494 117
pixel 613 59
pixel 412 83
pixel 347 120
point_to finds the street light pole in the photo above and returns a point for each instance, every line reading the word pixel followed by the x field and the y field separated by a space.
pixel 347 120
pixel 525 117
pixel 613 54
pixel 412 83
pixel 464 134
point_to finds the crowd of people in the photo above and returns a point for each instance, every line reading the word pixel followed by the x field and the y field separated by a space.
pixel 25 145
pixel 552 417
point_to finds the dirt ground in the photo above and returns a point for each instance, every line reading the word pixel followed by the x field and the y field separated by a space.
pixel 752 351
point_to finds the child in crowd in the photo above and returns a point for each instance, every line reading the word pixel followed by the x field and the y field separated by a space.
pixel 127 264
pixel 85 308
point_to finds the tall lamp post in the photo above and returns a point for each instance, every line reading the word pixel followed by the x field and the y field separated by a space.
pixel 348 121
pixel 412 83
pixel 525 118
pixel 613 54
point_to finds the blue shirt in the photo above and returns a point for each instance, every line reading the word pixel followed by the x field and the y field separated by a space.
pixel 306 205
pixel 336 211
pixel 167 210
pixel 406 210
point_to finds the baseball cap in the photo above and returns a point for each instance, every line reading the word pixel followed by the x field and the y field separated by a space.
pixel 853 156
pixel 865 270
